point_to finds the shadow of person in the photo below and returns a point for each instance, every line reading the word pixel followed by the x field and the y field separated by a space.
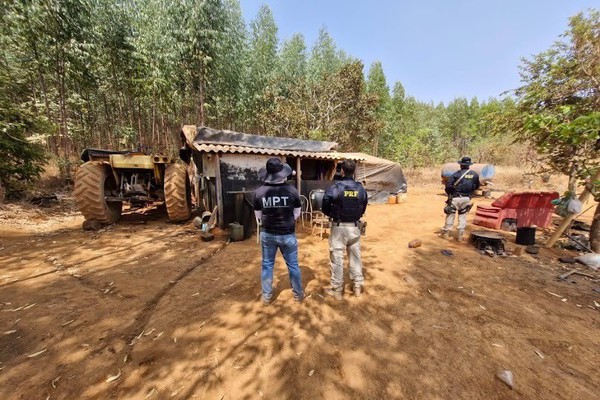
pixel 284 282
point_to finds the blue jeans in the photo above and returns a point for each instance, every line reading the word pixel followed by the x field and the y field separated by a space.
pixel 289 249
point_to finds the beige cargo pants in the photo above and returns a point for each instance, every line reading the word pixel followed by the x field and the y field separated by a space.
pixel 345 237
pixel 459 203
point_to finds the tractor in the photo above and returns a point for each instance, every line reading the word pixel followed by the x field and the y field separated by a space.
pixel 107 179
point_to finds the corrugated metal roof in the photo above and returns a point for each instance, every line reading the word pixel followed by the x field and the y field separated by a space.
pixel 329 155
pixel 206 135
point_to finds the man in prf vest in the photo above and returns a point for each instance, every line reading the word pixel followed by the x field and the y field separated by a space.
pixel 277 206
pixel 345 203
pixel 459 188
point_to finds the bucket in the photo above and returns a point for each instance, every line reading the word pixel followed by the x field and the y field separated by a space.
pixel 392 200
pixel 525 236
pixel 237 232
pixel 206 216
pixel 509 225
pixel 400 198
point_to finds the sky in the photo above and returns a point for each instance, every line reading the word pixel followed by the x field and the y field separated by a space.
pixel 437 49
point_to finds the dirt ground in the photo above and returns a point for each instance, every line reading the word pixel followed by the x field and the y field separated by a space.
pixel 144 310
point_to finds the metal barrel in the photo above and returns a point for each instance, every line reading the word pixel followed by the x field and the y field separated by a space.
pixel 316 199
pixel 486 172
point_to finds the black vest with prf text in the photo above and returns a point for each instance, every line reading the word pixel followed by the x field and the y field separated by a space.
pixel 350 203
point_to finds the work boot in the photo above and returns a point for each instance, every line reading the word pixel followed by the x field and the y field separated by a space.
pixel 336 294
pixel 357 290
pixel 460 235
pixel 300 299
pixel 445 234
pixel 265 301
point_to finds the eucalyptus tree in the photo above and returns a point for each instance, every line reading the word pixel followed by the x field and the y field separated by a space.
pixel 228 89
pixel 324 58
pixel 288 92
pixel 293 59
pixel 262 66
pixel 341 110
pixel 201 23
pixel 377 86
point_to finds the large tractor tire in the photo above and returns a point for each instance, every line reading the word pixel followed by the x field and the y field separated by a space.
pixel 93 180
pixel 178 193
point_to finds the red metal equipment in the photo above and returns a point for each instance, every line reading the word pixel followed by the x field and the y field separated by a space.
pixel 529 209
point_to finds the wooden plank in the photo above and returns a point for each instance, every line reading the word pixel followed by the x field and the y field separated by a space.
pixel 567 220
pixel 575 272
pixel 220 219
pixel 331 173
pixel 298 175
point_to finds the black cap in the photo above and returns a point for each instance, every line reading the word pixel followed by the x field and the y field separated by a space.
pixel 465 161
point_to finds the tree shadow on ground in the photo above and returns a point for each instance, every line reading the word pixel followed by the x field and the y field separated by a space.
pixel 189 323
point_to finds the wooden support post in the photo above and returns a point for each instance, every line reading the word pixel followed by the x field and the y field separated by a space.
pixel 220 219
pixel 567 220
pixel 298 175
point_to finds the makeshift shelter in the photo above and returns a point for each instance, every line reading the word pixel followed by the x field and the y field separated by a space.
pixel 380 177
pixel 225 164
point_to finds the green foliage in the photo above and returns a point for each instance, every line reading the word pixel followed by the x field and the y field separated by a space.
pixel 293 62
pixel 559 101
pixel 325 59
pixel 377 86
pixel 21 161
pixel 262 66
pixel 113 74
pixel 348 112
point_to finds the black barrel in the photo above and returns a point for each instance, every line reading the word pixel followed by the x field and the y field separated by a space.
pixel 316 199
pixel 525 236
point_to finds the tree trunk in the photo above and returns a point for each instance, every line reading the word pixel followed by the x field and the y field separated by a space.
pixel 106 122
pixel 162 128
pixel 595 231
pixel 567 220
pixel 2 193
pixel 201 122
pixel 573 178
pixel 64 129
pixel 155 142
pixel 140 135
pixel 376 146
pixel 42 79
pixel 34 94
pixel 130 111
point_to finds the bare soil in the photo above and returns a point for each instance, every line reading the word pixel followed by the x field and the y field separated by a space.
pixel 145 310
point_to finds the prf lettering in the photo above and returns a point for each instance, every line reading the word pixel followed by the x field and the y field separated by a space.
pixel 275 201
pixel 350 193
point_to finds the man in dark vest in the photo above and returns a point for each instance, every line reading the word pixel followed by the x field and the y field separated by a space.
pixel 277 206
pixel 345 203
pixel 459 187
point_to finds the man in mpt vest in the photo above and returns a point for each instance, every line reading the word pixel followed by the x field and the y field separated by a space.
pixel 345 202
pixel 277 206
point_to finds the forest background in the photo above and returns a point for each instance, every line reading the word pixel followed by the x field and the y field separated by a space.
pixel 115 74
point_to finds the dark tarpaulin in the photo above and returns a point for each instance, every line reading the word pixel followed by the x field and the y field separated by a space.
pixel 205 135
pixel 380 177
